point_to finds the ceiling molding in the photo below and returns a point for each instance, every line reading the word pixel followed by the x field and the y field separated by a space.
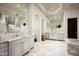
pixel 41 8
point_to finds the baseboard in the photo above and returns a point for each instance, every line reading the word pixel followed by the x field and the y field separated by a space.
pixel 28 51
pixel 25 53
pixel 56 40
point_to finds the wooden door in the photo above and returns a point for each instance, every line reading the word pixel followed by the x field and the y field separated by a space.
pixel 72 28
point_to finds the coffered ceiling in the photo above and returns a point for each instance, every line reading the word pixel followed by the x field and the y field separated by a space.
pixel 52 7
pixel 69 6
pixel 54 11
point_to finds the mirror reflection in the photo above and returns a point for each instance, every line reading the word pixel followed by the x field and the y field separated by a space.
pixel 13 16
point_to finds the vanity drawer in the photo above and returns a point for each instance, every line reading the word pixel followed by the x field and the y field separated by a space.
pixel 3 45
pixel 3 54
pixel 3 51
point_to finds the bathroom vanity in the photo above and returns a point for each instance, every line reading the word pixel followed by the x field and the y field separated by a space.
pixel 15 30
pixel 15 47
pixel 3 48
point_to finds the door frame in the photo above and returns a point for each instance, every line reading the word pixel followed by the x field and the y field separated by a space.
pixel 77 27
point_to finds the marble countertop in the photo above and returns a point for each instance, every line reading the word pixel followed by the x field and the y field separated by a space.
pixel 9 39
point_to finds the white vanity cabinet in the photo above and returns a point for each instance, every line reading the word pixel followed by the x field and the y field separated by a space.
pixel 18 47
pixel 15 48
pixel 26 45
pixel 31 43
pixel 3 49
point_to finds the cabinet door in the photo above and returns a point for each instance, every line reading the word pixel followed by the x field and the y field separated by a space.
pixel 3 49
pixel 22 52
pixel 16 48
pixel 31 42
pixel 26 43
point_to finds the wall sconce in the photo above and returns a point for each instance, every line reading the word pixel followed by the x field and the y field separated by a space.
pixel 24 24
pixel 58 26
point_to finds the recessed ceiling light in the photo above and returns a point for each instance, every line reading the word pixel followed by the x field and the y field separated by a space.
pixel 18 6
pixel 52 8
pixel 24 9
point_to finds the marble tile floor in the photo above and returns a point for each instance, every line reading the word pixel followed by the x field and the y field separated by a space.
pixel 49 48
